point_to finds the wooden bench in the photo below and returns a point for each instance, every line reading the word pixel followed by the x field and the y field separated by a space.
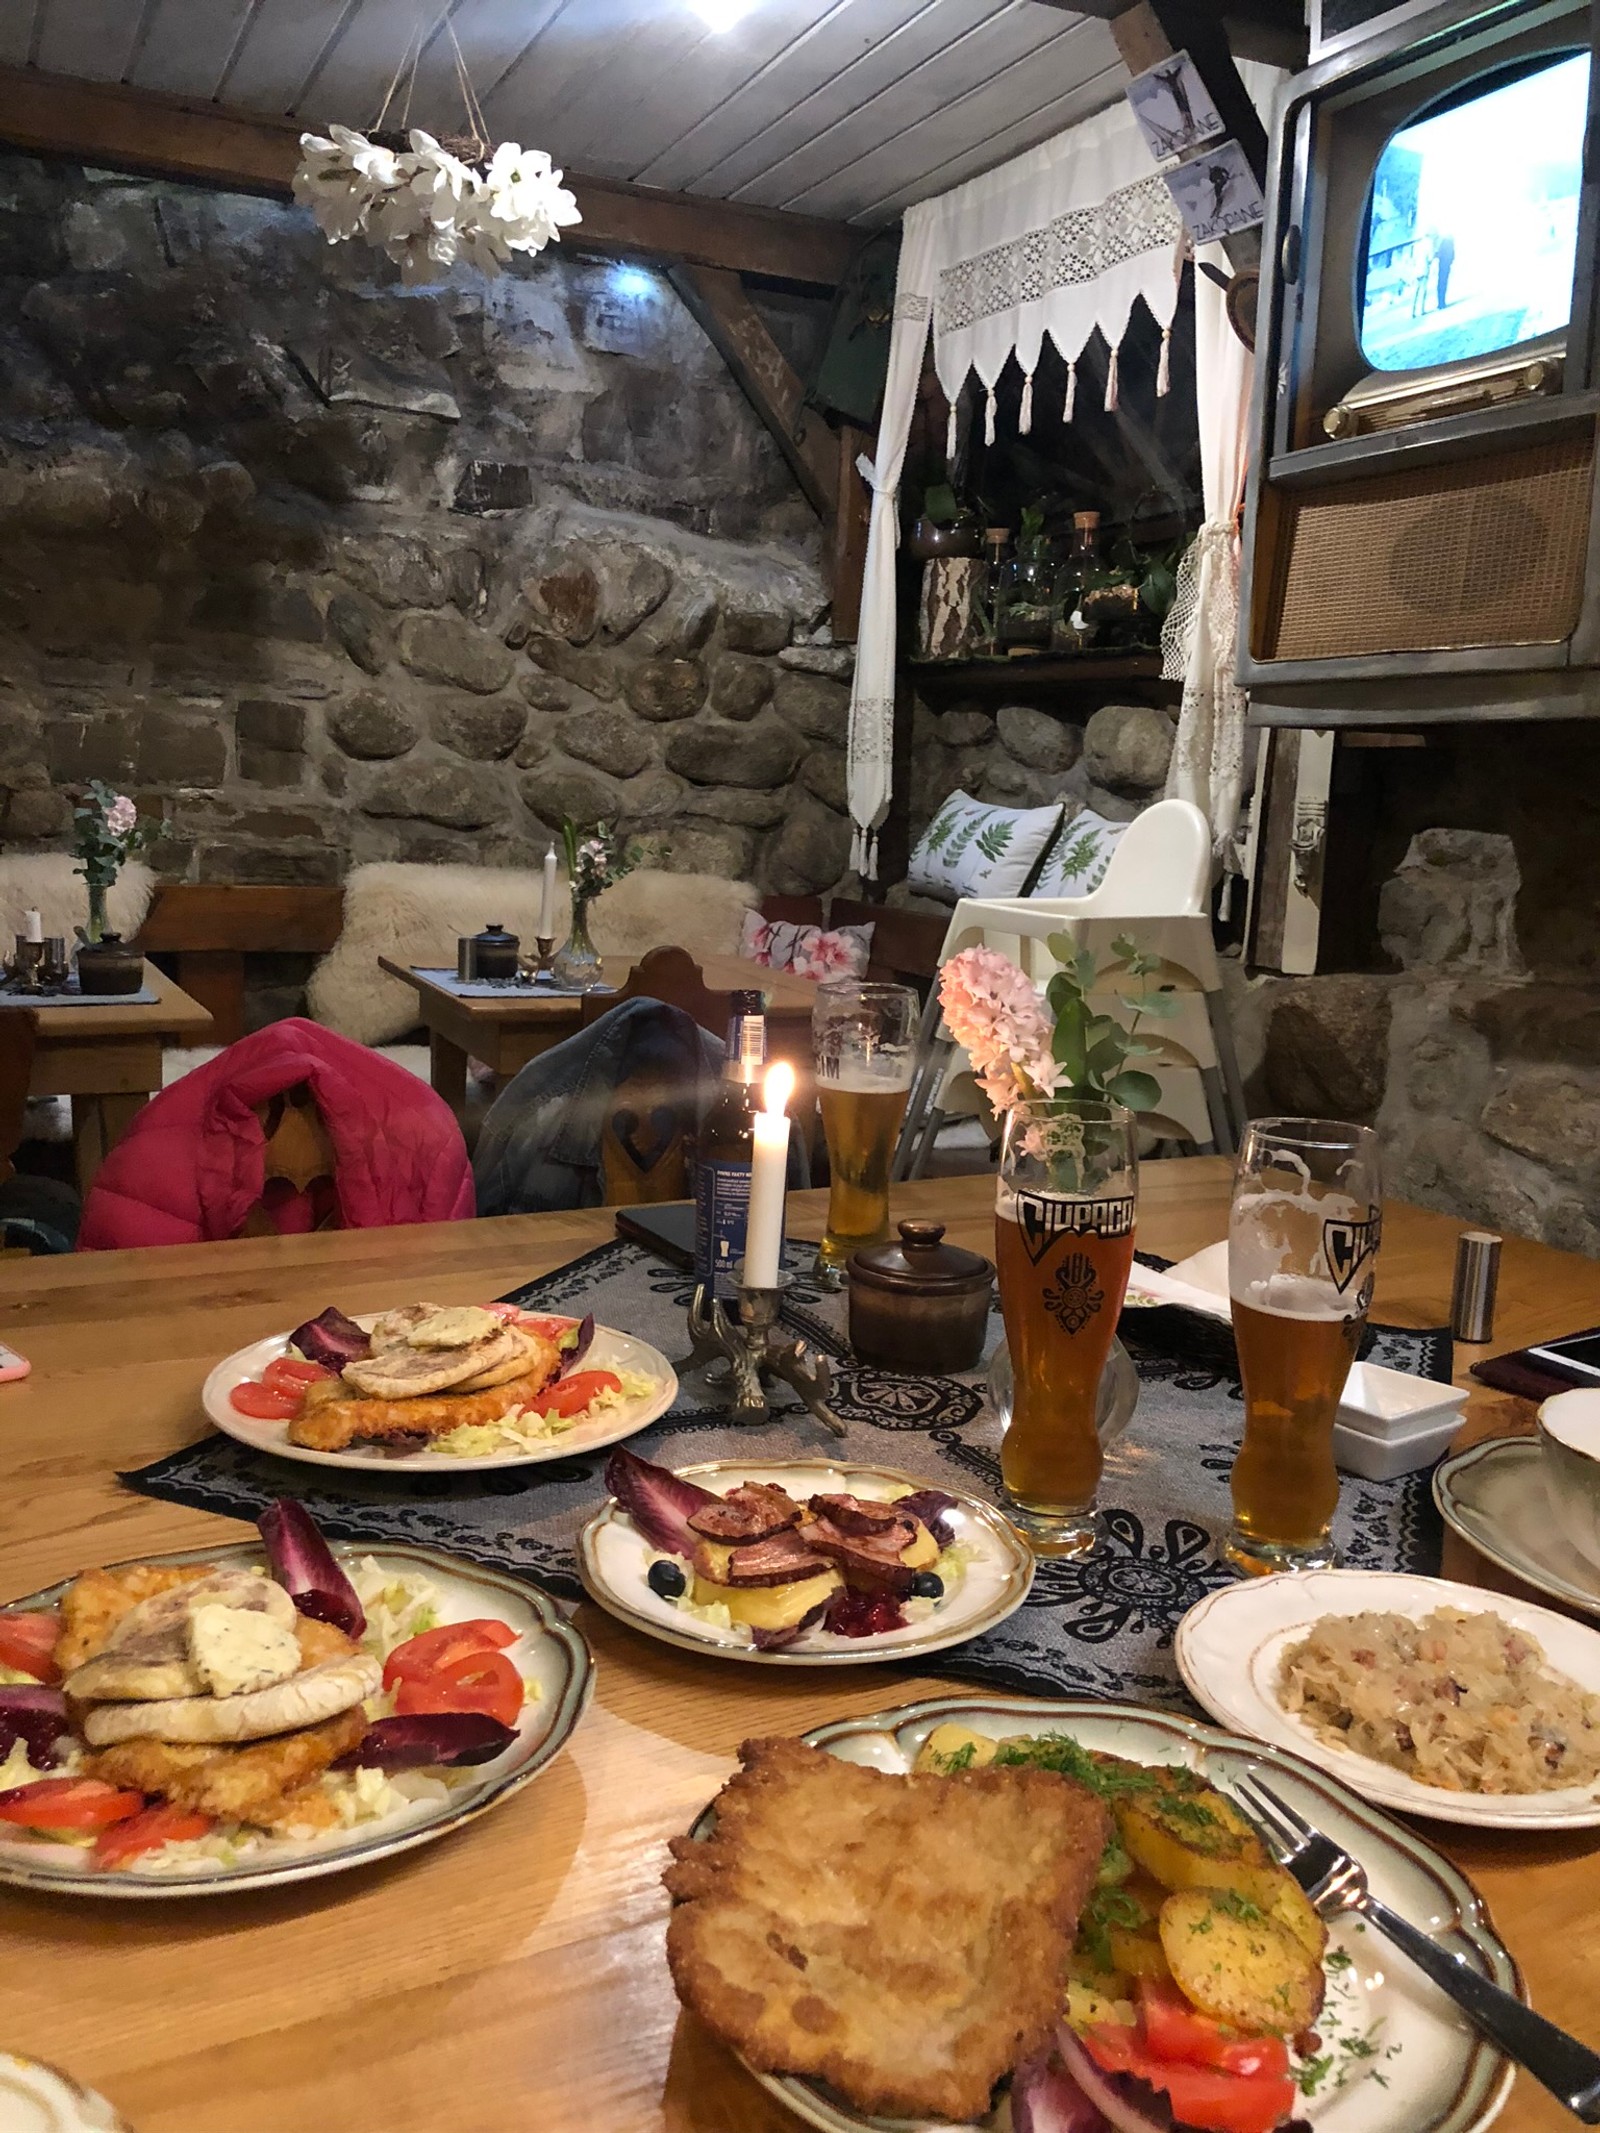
pixel 208 929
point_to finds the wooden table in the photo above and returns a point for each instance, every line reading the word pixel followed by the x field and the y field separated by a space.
pixel 507 1031
pixel 108 1060
pixel 512 1976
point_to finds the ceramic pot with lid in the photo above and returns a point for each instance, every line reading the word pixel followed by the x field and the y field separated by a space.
pixel 496 951
pixel 917 1303
pixel 110 965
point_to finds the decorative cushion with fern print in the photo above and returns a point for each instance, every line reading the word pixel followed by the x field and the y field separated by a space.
pixel 1077 861
pixel 972 848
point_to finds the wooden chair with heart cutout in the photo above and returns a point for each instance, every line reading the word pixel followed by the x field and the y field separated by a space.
pixel 647 1144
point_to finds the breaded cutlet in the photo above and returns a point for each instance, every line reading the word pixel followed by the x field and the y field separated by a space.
pixel 904 1939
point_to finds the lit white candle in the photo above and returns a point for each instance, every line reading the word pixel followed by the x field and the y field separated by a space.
pixel 547 899
pixel 32 926
pixel 769 1174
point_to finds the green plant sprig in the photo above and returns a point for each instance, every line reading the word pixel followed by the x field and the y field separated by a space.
pixel 1093 1049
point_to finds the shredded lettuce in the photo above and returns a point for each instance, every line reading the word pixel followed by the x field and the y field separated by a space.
pixel 520 1431
pixel 397 1605
pixel 12 1677
pixel 17 1770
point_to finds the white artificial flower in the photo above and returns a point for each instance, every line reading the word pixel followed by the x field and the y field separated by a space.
pixel 380 166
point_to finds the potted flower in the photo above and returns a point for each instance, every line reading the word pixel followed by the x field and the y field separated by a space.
pixel 596 859
pixel 106 834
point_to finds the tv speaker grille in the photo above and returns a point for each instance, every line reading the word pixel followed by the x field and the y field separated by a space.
pixel 1480 552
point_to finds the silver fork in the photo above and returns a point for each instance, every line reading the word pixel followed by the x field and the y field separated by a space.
pixel 1335 1882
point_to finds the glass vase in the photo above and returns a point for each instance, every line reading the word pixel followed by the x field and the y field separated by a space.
pixel 1027 583
pixel 96 928
pixel 577 961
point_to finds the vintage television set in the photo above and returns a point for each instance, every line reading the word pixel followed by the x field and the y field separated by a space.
pixel 1422 539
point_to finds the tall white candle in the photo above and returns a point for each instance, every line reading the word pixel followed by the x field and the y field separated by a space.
pixel 769 1173
pixel 547 898
pixel 32 925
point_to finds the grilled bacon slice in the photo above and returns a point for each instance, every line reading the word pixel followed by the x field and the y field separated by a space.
pixel 751 1512
pixel 867 1562
pixel 781 1559
pixel 856 1514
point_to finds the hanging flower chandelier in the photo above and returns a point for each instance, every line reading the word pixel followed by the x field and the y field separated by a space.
pixel 429 206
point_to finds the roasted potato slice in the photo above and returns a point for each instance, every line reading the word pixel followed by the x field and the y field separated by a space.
pixel 1284 1901
pixel 1237 1964
pixel 1139 1954
pixel 959 1745
pixel 1186 1835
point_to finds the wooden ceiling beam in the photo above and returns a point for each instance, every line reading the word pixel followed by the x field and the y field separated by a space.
pixel 1273 30
pixel 173 137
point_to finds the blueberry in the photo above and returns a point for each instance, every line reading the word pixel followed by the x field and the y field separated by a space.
pixel 667 1580
pixel 927 1585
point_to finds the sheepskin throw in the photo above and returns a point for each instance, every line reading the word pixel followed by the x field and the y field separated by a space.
pixel 46 882
pixel 416 914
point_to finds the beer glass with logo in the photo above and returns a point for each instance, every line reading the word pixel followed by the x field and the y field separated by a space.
pixel 1302 1245
pixel 1063 1247
pixel 863 1041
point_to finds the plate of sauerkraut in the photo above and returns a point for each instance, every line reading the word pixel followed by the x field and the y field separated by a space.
pixel 1436 1698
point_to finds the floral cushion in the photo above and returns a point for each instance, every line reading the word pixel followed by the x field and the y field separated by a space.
pixel 973 849
pixel 1077 861
pixel 807 951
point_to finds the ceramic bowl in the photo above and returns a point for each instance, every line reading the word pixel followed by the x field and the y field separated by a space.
pixel 1569 1442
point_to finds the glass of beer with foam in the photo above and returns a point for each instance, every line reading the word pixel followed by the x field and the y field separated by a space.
pixel 1064 1218
pixel 863 1040
pixel 1302 1245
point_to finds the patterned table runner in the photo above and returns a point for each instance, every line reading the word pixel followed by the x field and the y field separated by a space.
pixel 70 996
pixel 1100 1625
pixel 506 988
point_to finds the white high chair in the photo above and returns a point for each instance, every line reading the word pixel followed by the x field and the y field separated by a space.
pixel 1156 888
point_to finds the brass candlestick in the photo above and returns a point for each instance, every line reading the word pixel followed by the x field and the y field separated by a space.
pixel 756 1349
pixel 538 966
pixel 25 969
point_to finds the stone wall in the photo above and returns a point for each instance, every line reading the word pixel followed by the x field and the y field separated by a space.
pixel 1471 1036
pixel 326 571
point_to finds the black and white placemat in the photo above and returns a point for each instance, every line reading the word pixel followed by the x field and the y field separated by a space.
pixel 1100 1625
pixel 543 988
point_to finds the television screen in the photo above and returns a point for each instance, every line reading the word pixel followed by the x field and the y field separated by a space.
pixel 1472 221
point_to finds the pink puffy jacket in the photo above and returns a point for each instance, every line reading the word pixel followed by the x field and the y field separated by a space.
pixel 190 1168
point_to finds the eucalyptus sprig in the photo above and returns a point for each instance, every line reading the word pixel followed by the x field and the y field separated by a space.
pixel 1093 1049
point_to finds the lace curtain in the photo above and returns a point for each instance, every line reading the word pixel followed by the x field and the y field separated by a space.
pixel 1062 241
pixel 1199 641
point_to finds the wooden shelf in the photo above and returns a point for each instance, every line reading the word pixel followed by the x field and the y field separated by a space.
pixel 1042 670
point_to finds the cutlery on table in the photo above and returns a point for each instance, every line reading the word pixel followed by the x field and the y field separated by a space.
pixel 1336 1882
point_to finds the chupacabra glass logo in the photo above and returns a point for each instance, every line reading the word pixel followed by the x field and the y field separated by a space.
pixel 1043 1220
pixel 1347 1245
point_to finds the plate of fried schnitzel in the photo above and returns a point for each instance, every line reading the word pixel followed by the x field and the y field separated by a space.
pixel 441 1389
pixel 910 1923
pixel 187 1728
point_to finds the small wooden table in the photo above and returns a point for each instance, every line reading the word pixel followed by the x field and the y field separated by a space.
pixel 509 1030
pixel 108 1060
pixel 513 1975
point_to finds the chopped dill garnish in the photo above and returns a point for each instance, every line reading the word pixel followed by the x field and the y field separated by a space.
pixel 1338 1959
pixel 1312 2073
pixel 958 1759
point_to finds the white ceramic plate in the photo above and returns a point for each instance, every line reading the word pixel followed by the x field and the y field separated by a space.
pixel 1230 1645
pixel 1494 1496
pixel 35 2098
pixel 614 1558
pixel 610 1350
pixel 548 1652
pixel 1437 2076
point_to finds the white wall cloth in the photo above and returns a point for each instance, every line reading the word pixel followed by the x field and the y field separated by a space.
pixel 1200 639
pixel 1059 241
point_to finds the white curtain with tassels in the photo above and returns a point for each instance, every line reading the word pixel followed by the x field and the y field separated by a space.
pixel 1059 241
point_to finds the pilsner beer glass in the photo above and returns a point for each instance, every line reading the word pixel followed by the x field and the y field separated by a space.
pixel 1063 1248
pixel 863 1042
pixel 1302 1244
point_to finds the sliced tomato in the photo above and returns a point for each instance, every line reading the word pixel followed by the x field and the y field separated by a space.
pixel 289 1373
pixel 532 1322
pixel 68 1803
pixel 1201 2096
pixel 482 1681
pixel 1174 2030
pixel 28 1643
pixel 121 1842
pixel 419 1656
pixel 570 1396
pixel 264 1403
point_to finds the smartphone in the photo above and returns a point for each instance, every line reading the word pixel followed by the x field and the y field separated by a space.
pixel 1577 1352
pixel 666 1229
pixel 12 1365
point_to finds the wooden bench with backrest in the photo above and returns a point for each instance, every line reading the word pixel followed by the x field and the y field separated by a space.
pixel 208 928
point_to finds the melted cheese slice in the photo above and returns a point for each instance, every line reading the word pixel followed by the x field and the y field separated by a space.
pixel 768 1606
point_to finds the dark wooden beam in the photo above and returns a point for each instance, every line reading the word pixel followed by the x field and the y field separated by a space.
pixel 173 137
pixel 1273 30
pixel 769 381
pixel 850 525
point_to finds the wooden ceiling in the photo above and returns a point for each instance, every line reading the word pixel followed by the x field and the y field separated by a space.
pixel 845 109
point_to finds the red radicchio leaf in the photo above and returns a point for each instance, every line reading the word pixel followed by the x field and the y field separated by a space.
pixel 574 1355
pixel 419 1742
pixel 303 1564
pixel 659 1502
pixel 36 1716
pixel 332 1340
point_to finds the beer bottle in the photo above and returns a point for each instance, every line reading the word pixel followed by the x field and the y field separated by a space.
pixel 725 1151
